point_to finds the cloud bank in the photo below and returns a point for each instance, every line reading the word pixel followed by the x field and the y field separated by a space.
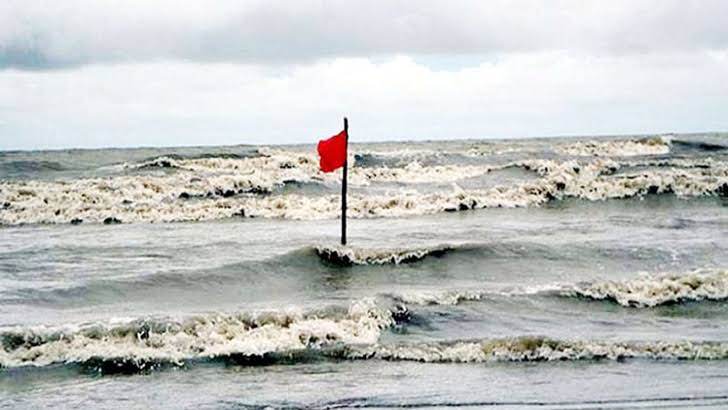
pixel 49 34
pixel 104 73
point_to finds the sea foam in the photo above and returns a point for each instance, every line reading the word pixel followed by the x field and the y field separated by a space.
pixel 146 342
pixel 644 291
pixel 537 349
pixel 347 255
pixel 650 290
pixel 218 188
pixel 618 148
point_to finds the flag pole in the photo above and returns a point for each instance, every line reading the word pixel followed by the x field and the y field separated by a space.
pixel 343 183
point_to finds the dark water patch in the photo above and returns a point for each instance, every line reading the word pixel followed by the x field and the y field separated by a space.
pixel 129 365
pixel 405 319
pixel 404 158
pixel 367 161
pixel 290 358
pixel 231 280
pixel 32 168
pixel 241 155
pixel 698 145
pixel 28 166
pixel 125 365
pixel 372 160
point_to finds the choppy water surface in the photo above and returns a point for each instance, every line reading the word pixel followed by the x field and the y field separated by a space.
pixel 549 273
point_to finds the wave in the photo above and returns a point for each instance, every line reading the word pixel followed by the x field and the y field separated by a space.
pixel 29 166
pixel 173 160
pixel 618 148
pixel 645 291
pixel 146 343
pixel 294 336
pixel 307 260
pixel 539 349
pixel 292 264
pixel 347 255
pixel 651 290
pixel 221 188
pixel 434 297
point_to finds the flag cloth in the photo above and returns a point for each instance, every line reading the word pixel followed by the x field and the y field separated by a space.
pixel 332 152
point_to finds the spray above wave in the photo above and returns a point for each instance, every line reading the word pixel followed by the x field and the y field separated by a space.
pixel 538 349
pixel 144 343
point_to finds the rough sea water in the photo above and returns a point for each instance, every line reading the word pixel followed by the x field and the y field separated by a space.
pixel 540 273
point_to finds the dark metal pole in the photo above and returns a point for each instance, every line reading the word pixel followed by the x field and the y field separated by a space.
pixel 343 184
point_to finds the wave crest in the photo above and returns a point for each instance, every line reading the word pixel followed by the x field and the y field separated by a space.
pixel 618 148
pixel 537 349
pixel 645 291
pixel 347 255
pixel 657 289
pixel 226 189
pixel 140 343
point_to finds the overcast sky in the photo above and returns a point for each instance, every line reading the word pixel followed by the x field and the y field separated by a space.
pixel 109 73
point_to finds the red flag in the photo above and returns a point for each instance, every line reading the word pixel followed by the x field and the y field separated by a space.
pixel 332 152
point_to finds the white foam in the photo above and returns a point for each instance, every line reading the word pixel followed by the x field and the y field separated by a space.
pixel 618 148
pixel 414 172
pixel 349 255
pixel 155 198
pixel 458 296
pixel 530 348
pixel 436 297
pixel 650 290
pixel 644 291
pixel 193 338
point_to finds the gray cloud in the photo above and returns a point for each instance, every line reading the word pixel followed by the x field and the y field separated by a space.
pixel 37 35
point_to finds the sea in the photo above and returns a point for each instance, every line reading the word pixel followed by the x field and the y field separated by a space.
pixel 549 273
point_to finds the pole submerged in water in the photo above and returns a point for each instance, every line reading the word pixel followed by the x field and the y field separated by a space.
pixel 343 184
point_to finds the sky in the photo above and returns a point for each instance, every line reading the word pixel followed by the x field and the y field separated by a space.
pixel 106 73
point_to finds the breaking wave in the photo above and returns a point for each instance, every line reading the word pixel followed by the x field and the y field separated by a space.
pixel 538 349
pixel 220 187
pixel 618 148
pixel 450 297
pixel 146 343
pixel 645 291
pixel 262 337
pixel 651 290
pixel 347 255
